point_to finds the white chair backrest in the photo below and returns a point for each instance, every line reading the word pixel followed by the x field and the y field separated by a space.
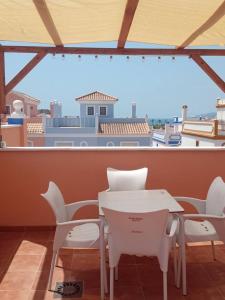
pixel 55 199
pixel 121 180
pixel 215 201
pixel 137 233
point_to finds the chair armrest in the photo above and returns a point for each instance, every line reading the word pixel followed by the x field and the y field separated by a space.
pixel 210 218
pixel 199 204
pixel 72 208
pixel 72 224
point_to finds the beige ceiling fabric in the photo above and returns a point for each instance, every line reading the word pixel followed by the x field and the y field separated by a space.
pixel 165 22
pixel 87 21
pixel 20 21
pixel 76 21
pixel 170 22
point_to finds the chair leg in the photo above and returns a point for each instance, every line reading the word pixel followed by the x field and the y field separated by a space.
pixel 116 272
pixel 175 260
pixel 164 286
pixel 54 256
pixel 105 278
pixel 179 267
pixel 213 250
pixel 111 283
pixel 57 259
pixel 102 267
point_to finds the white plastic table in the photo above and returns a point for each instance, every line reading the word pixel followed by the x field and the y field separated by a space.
pixel 145 201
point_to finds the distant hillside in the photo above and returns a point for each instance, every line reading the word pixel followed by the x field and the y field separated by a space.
pixel 162 121
pixel 210 115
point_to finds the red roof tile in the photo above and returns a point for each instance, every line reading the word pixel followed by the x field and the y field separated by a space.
pixel 96 96
pixel 124 128
pixel 36 128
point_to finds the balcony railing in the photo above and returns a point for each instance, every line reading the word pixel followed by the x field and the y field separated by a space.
pixel 201 128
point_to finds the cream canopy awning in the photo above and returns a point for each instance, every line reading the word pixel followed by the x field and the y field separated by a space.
pixel 57 23
pixel 178 23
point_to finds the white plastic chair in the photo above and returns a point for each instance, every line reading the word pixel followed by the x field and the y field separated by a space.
pixel 126 180
pixel 87 233
pixel 139 234
pixel 211 211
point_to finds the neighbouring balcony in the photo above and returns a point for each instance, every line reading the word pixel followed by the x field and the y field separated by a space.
pixel 208 129
pixel 26 221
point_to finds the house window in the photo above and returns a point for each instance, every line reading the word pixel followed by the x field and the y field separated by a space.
pixel 90 110
pixel 103 111
pixel 197 144
pixel 129 144
pixel 63 143
pixel 110 144
pixel 7 110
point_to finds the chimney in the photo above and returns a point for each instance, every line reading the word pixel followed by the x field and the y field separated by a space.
pixel 184 113
pixel 56 109
pixel 133 110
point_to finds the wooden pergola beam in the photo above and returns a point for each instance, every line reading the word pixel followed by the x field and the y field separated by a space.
pixel 214 18
pixel 2 91
pixel 2 82
pixel 127 21
pixel 29 66
pixel 46 17
pixel 209 71
pixel 113 51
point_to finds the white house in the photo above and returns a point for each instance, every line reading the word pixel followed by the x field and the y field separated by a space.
pixel 205 133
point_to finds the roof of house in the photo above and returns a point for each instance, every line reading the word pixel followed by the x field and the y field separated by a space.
pixel 15 95
pixel 131 128
pixel 96 96
pixel 35 128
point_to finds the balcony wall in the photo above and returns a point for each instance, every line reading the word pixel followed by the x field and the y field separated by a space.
pixel 81 174
pixel 14 135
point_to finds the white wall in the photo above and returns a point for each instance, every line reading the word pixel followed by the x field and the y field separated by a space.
pixel 190 141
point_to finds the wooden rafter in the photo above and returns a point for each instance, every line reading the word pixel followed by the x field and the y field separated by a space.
pixel 113 51
pixel 46 17
pixel 214 18
pixel 209 71
pixel 127 21
pixel 29 66
pixel 2 90
pixel 2 82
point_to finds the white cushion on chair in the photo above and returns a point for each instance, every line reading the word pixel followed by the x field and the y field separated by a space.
pixel 121 180
pixel 199 231
pixel 83 236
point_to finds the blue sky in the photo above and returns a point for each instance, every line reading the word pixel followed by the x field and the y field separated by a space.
pixel 159 87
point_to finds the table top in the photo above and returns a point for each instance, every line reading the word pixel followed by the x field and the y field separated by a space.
pixel 138 201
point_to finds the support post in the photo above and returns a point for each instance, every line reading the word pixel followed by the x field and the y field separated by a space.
pixel 29 66
pixel 2 93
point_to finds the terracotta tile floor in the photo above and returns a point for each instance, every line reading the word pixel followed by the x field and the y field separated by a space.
pixel 25 261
